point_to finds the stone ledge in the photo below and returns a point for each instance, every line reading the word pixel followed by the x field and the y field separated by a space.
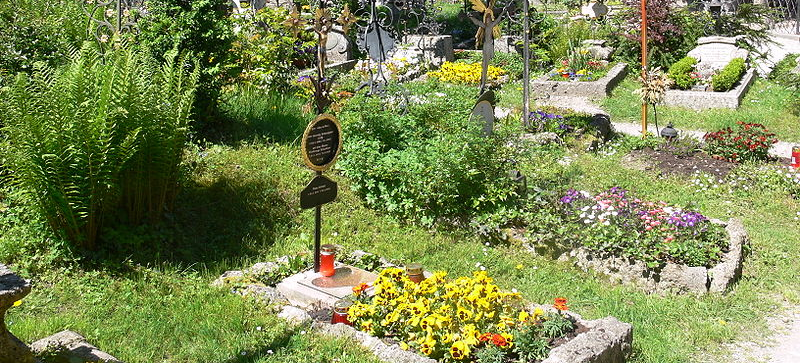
pixel 72 348
pixel 543 88
pixel 607 340
pixel 700 100
pixel 672 278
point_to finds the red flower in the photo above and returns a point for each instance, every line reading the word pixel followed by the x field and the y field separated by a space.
pixel 358 289
pixel 485 337
pixel 499 340
pixel 561 303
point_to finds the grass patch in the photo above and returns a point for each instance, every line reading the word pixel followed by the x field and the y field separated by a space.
pixel 766 103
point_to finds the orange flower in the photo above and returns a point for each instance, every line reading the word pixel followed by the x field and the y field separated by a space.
pixel 499 340
pixel 485 337
pixel 358 289
pixel 561 303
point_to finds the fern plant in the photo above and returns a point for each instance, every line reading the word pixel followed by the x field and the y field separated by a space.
pixel 77 132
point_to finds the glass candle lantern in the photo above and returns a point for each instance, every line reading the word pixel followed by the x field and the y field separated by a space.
pixel 340 309
pixel 414 272
pixel 326 258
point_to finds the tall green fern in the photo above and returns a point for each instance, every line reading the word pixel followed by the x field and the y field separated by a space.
pixel 103 132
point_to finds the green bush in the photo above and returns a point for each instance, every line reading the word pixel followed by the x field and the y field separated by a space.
pixel 39 31
pixel 728 76
pixel 428 161
pixel 198 26
pixel 100 133
pixel 681 72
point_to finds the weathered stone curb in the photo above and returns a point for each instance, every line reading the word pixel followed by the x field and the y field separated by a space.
pixel 608 340
pixel 390 353
pixel 700 100
pixel 543 88
pixel 77 349
pixel 672 278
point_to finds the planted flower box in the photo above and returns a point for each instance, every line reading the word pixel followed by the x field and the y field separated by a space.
pixel 544 87
pixel 655 246
pixel 702 99
pixel 469 319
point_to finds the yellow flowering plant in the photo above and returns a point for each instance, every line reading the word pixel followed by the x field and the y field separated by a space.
pixel 465 73
pixel 445 320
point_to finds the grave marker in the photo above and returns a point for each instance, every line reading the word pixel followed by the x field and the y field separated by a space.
pixel 484 111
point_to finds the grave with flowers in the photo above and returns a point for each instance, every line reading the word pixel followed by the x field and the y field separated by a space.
pixel 411 315
pixel 658 247
pixel 591 79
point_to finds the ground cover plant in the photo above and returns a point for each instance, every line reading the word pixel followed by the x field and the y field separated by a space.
pixel 616 223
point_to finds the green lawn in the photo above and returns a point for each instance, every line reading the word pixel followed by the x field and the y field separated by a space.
pixel 149 300
pixel 765 102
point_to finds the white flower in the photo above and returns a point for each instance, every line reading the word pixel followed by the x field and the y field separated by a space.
pixel 483 268
pixel 514 290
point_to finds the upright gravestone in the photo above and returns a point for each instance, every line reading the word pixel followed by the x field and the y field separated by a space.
pixel 12 289
pixel 714 53
pixel 338 47
pixel 483 112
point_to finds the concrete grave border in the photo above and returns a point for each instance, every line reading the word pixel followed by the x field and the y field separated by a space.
pixel 672 278
pixel 544 88
pixel 703 100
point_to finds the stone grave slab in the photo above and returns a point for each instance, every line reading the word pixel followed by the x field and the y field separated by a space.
pixel 717 52
pixel 309 288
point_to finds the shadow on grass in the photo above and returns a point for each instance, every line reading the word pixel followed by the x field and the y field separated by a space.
pixel 209 225
pixel 249 113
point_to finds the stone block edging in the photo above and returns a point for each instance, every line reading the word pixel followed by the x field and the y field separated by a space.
pixel 544 88
pixel 701 100
pixel 672 278
pixel 607 340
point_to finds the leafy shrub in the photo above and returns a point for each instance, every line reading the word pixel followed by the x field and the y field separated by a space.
pixel 747 23
pixel 103 130
pixel 619 224
pixel 198 26
pixel 450 320
pixel 750 142
pixel 39 31
pixel 782 74
pixel 566 36
pixel 728 76
pixel 465 73
pixel 267 54
pixel 681 72
pixel 425 160
pixel 671 31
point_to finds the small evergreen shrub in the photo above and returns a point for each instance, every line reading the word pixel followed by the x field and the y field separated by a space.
pixel 728 76
pixel 681 73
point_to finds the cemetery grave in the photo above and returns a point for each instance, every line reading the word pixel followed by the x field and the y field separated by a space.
pixel 200 182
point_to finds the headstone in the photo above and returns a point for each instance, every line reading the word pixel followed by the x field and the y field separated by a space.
pixel 12 289
pixel 506 44
pixel 717 52
pixel 483 112
pixel 338 48
pixel 378 43
pixel 594 10
pixel 435 49
pixel 597 49
pixel 321 142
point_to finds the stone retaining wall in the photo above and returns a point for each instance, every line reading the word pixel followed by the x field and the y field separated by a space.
pixel 701 100
pixel 672 278
pixel 544 88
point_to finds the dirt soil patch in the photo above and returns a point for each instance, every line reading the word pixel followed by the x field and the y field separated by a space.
pixel 666 163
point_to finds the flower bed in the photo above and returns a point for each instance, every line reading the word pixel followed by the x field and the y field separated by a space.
pixel 659 247
pixel 470 319
pixel 544 87
pixel 749 142
pixel 701 100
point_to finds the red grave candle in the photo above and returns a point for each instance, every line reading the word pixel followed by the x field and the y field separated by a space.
pixel 327 256
pixel 340 309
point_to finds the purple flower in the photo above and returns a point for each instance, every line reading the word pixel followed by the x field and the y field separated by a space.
pixel 686 219
pixel 571 196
